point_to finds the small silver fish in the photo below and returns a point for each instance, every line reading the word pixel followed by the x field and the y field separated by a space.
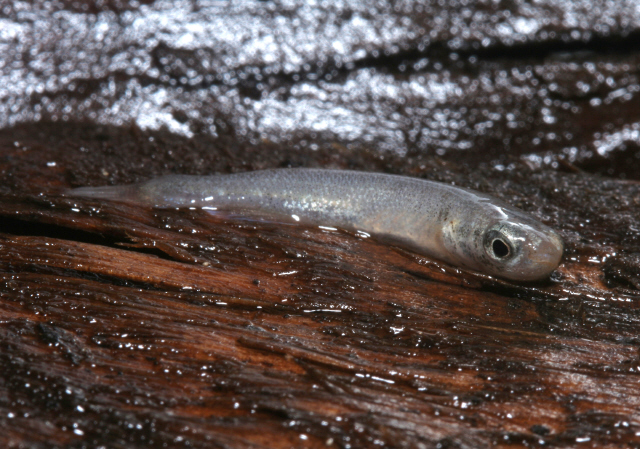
pixel 452 224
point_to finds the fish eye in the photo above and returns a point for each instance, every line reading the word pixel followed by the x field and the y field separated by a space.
pixel 500 248
pixel 498 245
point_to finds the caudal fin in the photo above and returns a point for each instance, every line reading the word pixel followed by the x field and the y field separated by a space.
pixel 115 193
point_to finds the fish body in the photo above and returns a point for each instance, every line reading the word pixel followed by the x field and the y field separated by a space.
pixel 452 224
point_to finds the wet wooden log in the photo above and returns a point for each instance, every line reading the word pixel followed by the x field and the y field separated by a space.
pixel 131 326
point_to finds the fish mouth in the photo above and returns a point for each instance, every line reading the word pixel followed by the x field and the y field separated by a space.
pixel 547 255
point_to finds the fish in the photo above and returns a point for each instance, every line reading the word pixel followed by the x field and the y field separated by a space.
pixel 455 225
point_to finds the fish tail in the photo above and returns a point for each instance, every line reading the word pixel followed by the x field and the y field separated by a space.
pixel 115 193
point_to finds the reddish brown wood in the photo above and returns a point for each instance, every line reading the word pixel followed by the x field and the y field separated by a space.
pixel 145 326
